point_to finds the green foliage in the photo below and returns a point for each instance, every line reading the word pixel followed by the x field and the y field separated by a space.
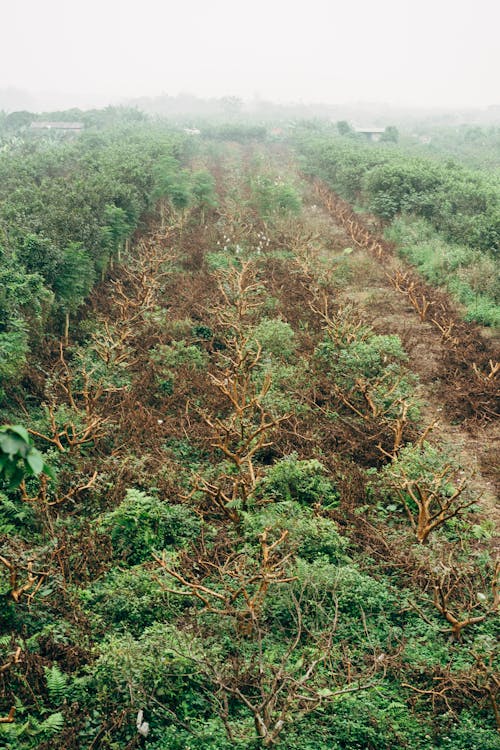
pixel 462 204
pixel 471 276
pixel 75 278
pixel 65 208
pixel 370 358
pixel 172 356
pixel 128 599
pixel 390 135
pixel 39 255
pixel 421 462
pixel 29 733
pixel 169 358
pixel 310 536
pixel 344 128
pixel 18 456
pixel 142 524
pixel 274 196
pixel 161 664
pixel 362 362
pixel 303 481
pixel 23 305
pixel 276 337
pixel 57 684
pixel 116 229
pixel 172 183
pixel 203 189
pixel 15 516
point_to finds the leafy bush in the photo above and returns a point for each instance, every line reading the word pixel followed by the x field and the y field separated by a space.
pixel 309 536
pixel 276 337
pixel 368 358
pixel 178 353
pixel 18 456
pixel 303 481
pixel 143 523
pixel 273 196
pixel 128 599
pixel 159 664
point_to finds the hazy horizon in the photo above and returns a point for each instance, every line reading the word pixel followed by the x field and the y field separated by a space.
pixel 430 55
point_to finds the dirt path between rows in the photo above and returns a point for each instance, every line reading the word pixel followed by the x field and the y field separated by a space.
pixel 474 437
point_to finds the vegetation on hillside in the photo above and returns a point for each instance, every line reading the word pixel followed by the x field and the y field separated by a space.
pixel 226 521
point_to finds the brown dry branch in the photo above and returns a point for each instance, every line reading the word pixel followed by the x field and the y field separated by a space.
pixel 487 376
pixel 112 343
pixel 397 426
pixel 241 294
pixel 14 658
pixel 9 718
pixel 82 393
pixel 274 693
pixel 427 504
pixel 456 597
pixel 244 583
pixel 420 303
pixel 245 430
pixel 72 435
pixel 453 689
pixel 368 407
pixel 32 583
pixel 487 680
pixel 446 325
pixel 47 499
pixel 343 325
pixel 400 280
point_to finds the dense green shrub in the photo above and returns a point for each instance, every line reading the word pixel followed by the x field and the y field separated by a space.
pixel 142 524
pixel 301 480
pixel 276 337
pixel 273 196
pixel 128 600
pixel 310 536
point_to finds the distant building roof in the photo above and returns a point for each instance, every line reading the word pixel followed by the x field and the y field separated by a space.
pixel 370 130
pixel 46 125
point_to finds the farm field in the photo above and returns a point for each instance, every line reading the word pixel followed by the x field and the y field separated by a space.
pixel 249 462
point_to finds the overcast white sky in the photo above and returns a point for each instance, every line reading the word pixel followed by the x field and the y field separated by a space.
pixel 410 52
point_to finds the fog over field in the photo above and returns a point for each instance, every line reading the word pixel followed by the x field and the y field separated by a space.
pixel 425 54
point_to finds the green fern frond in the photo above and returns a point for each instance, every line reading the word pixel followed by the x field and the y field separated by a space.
pixel 57 684
pixel 53 724
pixel 5 641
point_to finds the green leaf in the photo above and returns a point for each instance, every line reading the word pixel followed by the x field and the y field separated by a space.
pixel 49 471
pixel 10 444
pixel 35 461
pixel 21 431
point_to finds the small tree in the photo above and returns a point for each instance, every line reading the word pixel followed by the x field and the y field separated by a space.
pixel 116 229
pixel 429 485
pixel 390 134
pixel 74 282
pixel 343 127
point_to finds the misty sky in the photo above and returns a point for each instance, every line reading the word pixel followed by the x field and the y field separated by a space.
pixel 424 52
